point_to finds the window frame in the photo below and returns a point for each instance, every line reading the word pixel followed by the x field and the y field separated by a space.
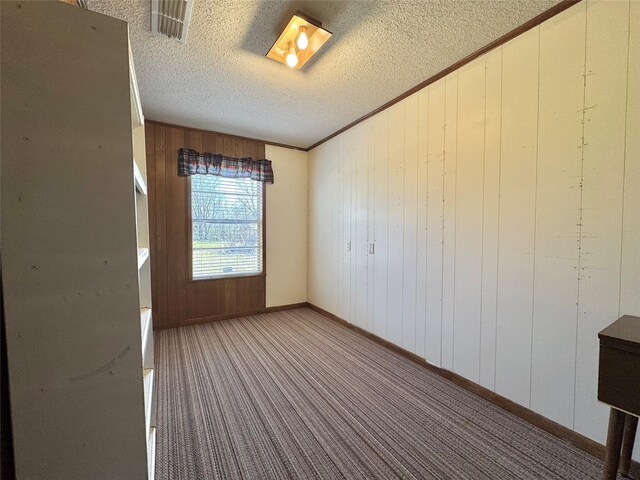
pixel 189 255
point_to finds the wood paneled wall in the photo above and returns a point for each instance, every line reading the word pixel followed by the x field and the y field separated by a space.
pixel 177 300
pixel 504 205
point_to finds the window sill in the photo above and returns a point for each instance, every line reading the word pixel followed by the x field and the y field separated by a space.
pixel 226 277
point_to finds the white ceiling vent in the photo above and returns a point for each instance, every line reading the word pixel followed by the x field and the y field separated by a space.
pixel 171 18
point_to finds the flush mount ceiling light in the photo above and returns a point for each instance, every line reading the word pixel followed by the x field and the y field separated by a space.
pixel 300 39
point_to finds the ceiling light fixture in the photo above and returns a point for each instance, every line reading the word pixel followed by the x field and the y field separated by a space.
pixel 303 40
pixel 304 32
pixel 292 57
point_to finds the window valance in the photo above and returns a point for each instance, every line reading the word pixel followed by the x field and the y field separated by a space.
pixel 191 162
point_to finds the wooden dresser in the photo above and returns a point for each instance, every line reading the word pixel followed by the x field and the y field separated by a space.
pixel 619 387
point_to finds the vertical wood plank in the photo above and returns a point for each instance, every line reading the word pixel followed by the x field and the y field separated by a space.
pixel 160 313
pixel 229 294
pixel 561 94
pixel 318 246
pixel 435 212
pixel 602 183
pixel 255 302
pixel 396 223
pixel 209 142
pixel 240 148
pixel 360 251
pixel 335 204
pixel 449 217
pixel 193 139
pixel 219 144
pixel 410 222
pixel 325 243
pixel 313 227
pixel 242 302
pixel 338 237
pixel 353 161
pixel 176 204
pixel 370 222
pixel 517 216
pixel 318 233
pixel 194 305
pixel 381 154
pixel 468 221
pixel 490 216
pixel 228 146
pixel 251 150
pixel 421 226
pixel 325 235
pixel 346 227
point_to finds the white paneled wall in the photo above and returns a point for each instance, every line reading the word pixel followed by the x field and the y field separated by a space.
pixel 503 202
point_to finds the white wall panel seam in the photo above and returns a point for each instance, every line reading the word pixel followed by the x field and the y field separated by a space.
pixel 404 206
pixel 535 222
pixel 444 144
pixel 495 343
pixel 624 168
pixel 415 301
pixel 455 194
pixel 484 170
pixel 426 221
pixel 584 100
pixel 426 266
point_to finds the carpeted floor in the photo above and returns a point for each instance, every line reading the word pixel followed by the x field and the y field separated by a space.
pixel 295 395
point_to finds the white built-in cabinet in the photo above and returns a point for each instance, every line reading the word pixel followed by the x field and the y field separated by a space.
pixel 74 245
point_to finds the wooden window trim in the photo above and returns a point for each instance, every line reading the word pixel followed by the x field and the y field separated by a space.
pixel 189 255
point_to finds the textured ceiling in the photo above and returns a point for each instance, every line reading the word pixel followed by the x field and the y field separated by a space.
pixel 221 80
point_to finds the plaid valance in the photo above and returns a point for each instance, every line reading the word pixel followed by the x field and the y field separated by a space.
pixel 191 162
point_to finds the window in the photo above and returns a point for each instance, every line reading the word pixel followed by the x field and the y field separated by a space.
pixel 226 226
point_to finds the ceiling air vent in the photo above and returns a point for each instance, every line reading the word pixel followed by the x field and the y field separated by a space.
pixel 171 18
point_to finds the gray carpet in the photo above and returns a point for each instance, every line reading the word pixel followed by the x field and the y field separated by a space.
pixel 295 395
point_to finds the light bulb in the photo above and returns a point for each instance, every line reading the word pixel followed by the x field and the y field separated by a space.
pixel 303 40
pixel 292 57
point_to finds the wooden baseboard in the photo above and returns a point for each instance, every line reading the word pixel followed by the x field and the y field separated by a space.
pixel 215 318
pixel 594 448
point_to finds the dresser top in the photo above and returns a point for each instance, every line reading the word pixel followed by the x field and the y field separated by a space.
pixel 625 330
